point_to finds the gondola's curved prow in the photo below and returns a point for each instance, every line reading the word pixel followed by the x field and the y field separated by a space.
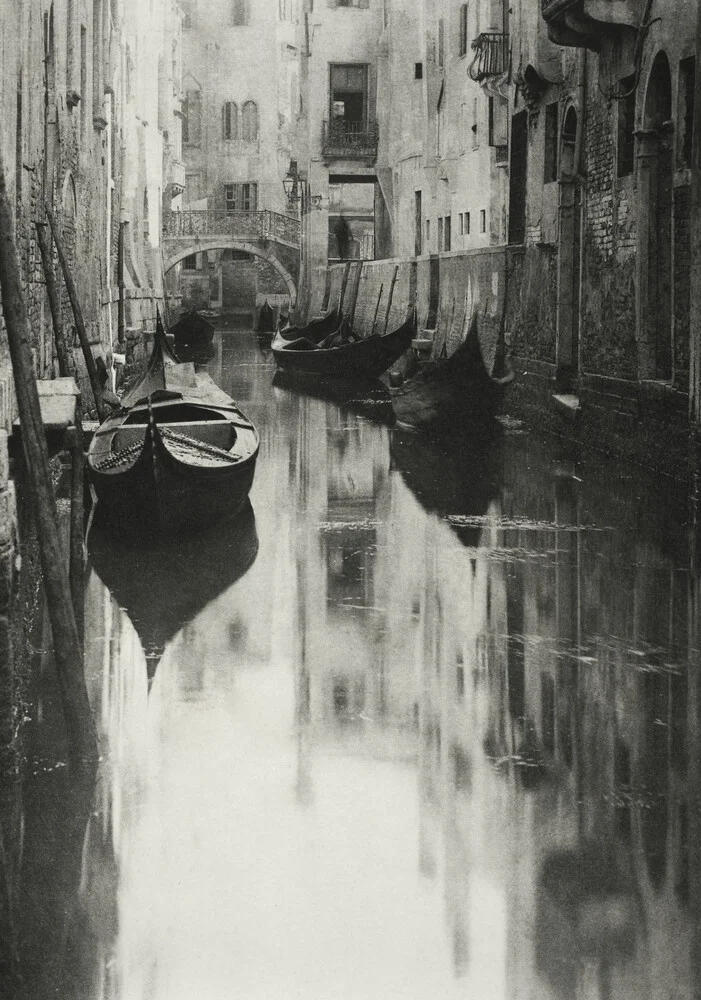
pixel 316 330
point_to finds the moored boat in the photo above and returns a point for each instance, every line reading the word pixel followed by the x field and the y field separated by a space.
pixel 316 330
pixel 193 330
pixel 265 320
pixel 341 354
pixel 452 395
pixel 178 454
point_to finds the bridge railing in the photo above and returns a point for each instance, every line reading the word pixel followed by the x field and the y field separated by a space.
pixel 244 225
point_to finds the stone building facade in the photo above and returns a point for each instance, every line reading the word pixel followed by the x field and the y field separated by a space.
pixel 240 87
pixel 91 129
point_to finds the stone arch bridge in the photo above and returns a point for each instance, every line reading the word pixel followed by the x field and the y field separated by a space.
pixel 274 237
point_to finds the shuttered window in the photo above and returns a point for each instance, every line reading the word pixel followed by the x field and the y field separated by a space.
pixel 241 197
pixel 230 120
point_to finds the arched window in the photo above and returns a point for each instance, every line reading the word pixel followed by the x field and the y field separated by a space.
pixel 230 120
pixel 249 121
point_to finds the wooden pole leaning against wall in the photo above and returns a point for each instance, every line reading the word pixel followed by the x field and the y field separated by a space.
pixel 121 306
pixel 390 297
pixel 377 309
pixel 78 316
pixel 82 741
pixel 62 353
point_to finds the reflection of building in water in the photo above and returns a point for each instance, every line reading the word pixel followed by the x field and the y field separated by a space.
pixel 553 763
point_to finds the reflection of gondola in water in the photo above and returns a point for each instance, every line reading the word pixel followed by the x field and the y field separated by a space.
pixel 163 585
pixel 368 398
pixel 455 480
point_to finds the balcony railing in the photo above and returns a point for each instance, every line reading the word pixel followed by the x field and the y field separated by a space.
pixel 348 140
pixel 242 225
pixel 491 59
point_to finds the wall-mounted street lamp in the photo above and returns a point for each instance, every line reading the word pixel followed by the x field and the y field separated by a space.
pixel 297 189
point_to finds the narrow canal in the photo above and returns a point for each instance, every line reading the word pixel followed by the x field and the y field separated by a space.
pixel 417 727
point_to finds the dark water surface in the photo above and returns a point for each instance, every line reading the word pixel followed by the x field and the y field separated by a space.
pixel 422 727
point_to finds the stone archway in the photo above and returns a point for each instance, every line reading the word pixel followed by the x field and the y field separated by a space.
pixel 655 209
pixel 569 243
pixel 221 243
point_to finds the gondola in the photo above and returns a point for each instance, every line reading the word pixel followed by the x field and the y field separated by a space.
pixel 453 395
pixel 177 456
pixel 316 330
pixel 164 585
pixel 192 330
pixel 265 321
pixel 341 354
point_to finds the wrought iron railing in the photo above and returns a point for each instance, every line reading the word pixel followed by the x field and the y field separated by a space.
pixel 249 225
pixel 491 59
pixel 346 139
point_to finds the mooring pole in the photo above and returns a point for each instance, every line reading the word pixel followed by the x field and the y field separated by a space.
pixel 377 309
pixel 356 290
pixel 77 555
pixel 64 365
pixel 346 272
pixel 390 296
pixel 82 741
pixel 78 316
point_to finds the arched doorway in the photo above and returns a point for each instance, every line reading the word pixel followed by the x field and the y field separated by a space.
pixel 569 243
pixel 655 193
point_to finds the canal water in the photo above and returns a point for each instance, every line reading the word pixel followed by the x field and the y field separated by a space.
pixel 422 724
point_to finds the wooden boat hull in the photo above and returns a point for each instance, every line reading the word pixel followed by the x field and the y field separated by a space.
pixel 367 358
pixel 164 585
pixel 177 457
pixel 193 330
pixel 451 396
pixel 315 330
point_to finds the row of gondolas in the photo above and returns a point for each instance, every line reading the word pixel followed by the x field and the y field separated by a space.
pixel 179 454
pixel 177 458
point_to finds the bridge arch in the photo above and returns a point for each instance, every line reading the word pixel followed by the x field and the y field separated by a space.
pixel 224 243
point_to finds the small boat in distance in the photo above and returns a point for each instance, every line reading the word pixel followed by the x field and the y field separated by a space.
pixel 265 320
pixel 341 353
pixel 177 456
pixel 192 330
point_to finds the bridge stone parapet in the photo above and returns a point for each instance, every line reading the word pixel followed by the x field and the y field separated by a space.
pixel 269 235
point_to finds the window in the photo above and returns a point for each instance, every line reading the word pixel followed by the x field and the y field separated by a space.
pixel 440 235
pixel 461 224
pixel 192 118
pixel 428 233
pixel 446 232
pixel 230 121
pixel 249 122
pixel 441 42
pixel 467 223
pixel 685 114
pixel 190 263
pixel 551 134
pixel 518 165
pixel 483 220
pixel 188 13
pixel 239 13
pixel 418 215
pixel 626 126
pixel 462 46
pixel 418 71
pixel 349 3
pixel 348 95
pixel 241 197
